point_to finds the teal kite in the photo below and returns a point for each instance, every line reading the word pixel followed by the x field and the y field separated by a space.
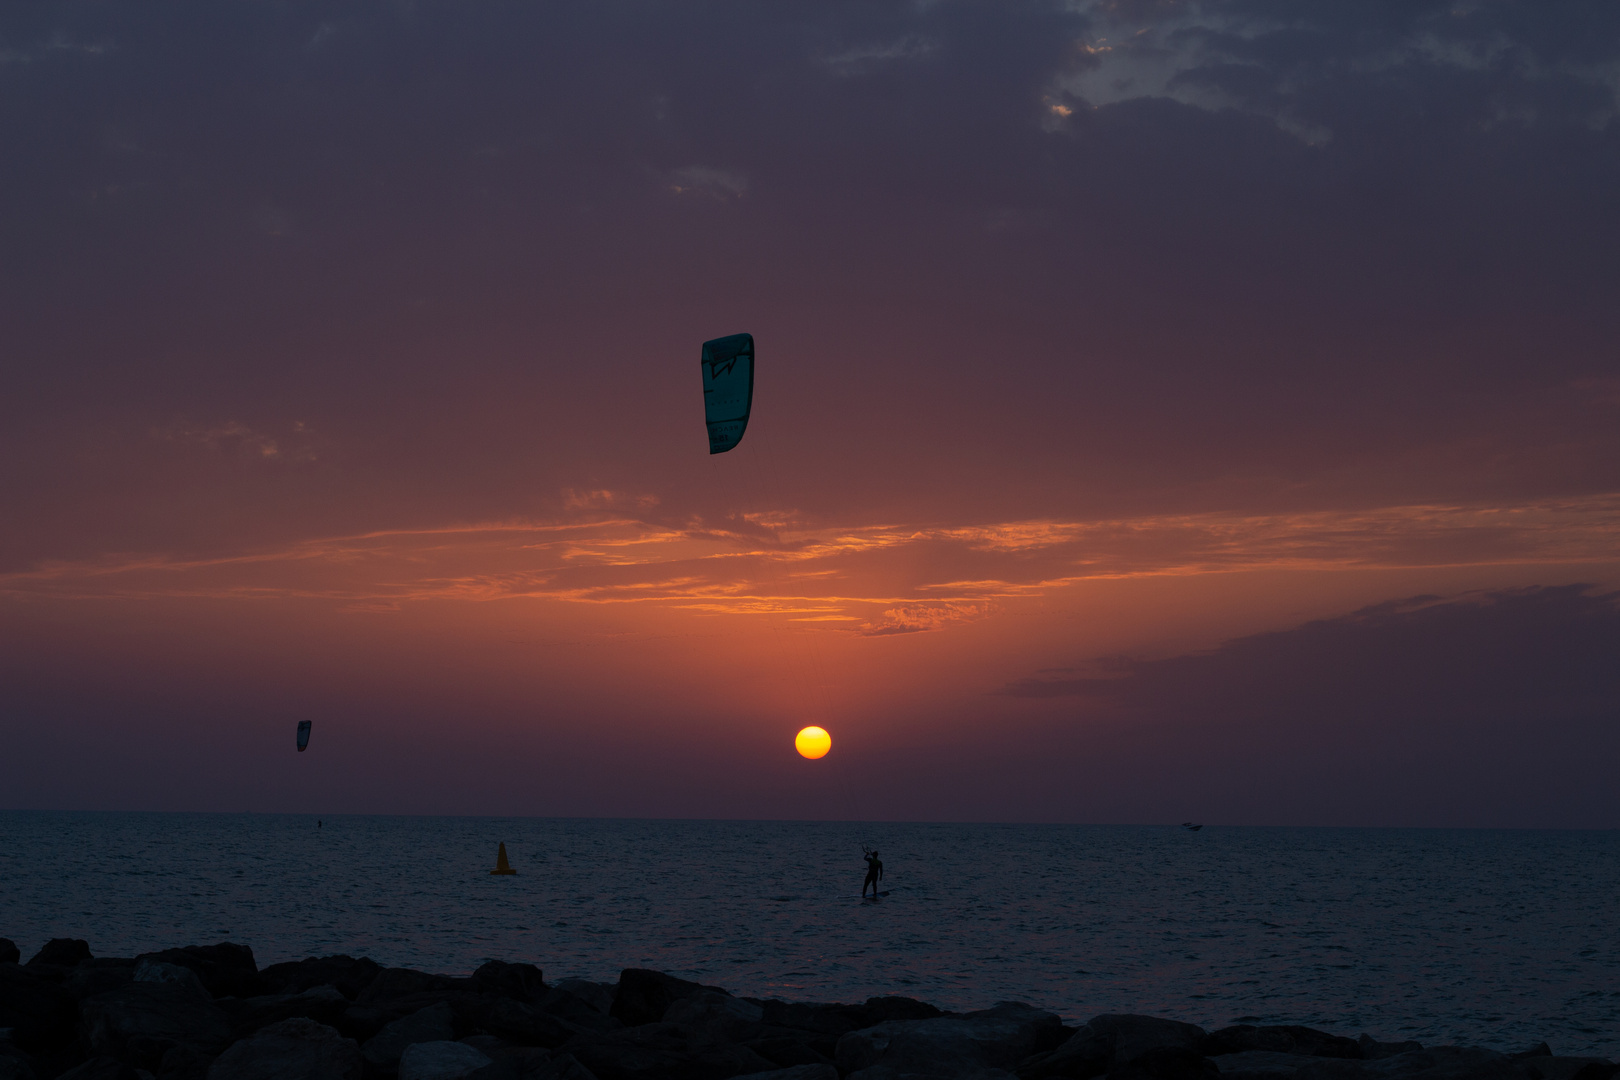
pixel 728 389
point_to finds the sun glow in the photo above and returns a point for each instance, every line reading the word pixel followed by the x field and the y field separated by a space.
pixel 813 742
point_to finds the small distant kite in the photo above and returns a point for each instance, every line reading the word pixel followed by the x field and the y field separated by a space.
pixel 728 389
pixel 303 735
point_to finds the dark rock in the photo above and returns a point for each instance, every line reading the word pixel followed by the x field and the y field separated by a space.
pixel 714 1017
pixel 1282 1039
pixel 1548 1067
pixel 441 1061
pixel 787 1052
pixel 181 1062
pixel 226 969
pixel 351 976
pixel 155 971
pixel 1432 1063
pixel 798 1072
pixel 580 1012
pixel 9 953
pixel 99 975
pixel 526 1025
pixel 62 952
pixel 1265 1065
pixel 41 1015
pixel 1166 1063
pixel 1372 1049
pixel 948 1046
pixel 290 1050
pixel 895 1007
pixel 1541 1049
pixel 1109 1040
pixel 139 1023
pixel 642 996
pixel 101 1068
pixel 392 983
pixel 14 1064
pixel 522 982
pixel 533 1064
pixel 323 1004
pixel 598 996
pixel 658 1051
pixel 435 1023
pixel 363 1022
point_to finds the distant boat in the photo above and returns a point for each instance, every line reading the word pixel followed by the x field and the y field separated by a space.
pixel 1190 827
pixel 501 865
pixel 303 735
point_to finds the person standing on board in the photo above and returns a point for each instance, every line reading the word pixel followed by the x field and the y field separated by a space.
pixel 874 873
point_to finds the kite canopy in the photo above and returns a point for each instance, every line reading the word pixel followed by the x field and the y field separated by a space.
pixel 728 389
pixel 303 735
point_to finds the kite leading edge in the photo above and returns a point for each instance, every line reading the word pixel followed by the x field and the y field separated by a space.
pixel 728 389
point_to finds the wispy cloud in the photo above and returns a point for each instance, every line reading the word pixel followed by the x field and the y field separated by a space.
pixel 876 580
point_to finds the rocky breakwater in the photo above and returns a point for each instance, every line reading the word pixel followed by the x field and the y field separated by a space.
pixel 210 1013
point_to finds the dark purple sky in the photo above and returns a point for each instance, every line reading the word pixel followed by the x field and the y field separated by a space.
pixel 1164 410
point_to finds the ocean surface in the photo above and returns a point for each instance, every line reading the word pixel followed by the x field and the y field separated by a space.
pixel 1491 938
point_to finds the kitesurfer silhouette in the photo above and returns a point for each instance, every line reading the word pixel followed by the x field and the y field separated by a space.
pixel 874 873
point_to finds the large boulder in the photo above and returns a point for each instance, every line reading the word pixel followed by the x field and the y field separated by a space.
pixel 1280 1039
pixel 950 1046
pixel 350 975
pixel 393 983
pixel 226 969
pixel 1430 1063
pixel 14 1064
pixel 1372 1049
pixel 435 1023
pixel 9 953
pixel 660 1051
pixel 1261 1065
pixel 98 976
pixel 1110 1040
pixel 290 1050
pixel 643 996
pixel 323 1004
pixel 1550 1067
pixel 61 953
pixel 101 1068
pixel 598 996
pixel 522 982
pixel 533 1064
pixel 716 1017
pixel 441 1061
pixel 138 1023
pixel 1166 1063
pixel 156 971
pixel 41 1015
pixel 585 1013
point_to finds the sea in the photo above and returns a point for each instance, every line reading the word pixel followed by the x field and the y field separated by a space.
pixel 1479 937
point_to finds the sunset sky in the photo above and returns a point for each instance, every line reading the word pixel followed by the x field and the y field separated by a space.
pixel 1164 410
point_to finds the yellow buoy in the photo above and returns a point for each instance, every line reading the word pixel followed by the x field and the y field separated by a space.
pixel 501 865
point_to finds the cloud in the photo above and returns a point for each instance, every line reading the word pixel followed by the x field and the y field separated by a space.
pixel 237 440
pixel 722 185
pixel 921 617
pixel 861 58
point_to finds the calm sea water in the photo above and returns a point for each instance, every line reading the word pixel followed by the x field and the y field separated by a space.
pixel 1490 938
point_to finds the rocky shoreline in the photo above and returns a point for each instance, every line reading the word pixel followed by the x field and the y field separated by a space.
pixel 210 1013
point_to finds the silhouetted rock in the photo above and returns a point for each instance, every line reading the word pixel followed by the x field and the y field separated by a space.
pixel 581 1013
pixel 1430 1063
pixel 155 971
pixel 441 1061
pixel 659 1051
pixel 1165 1063
pixel 948 1046
pixel 62 952
pixel 138 1023
pixel 717 1017
pixel 101 1068
pixel 1109 1040
pixel 531 1063
pixel 524 982
pixel 323 1004
pixel 895 1007
pixel 1548 1067
pixel 14 1064
pixel 226 969
pixel 1281 1039
pixel 516 1021
pixel 9 954
pixel 1372 1049
pixel 435 1023
pixel 40 1014
pixel 393 983
pixel 351 976
pixel 1541 1049
pixel 642 996
pixel 788 1051
pixel 290 1050
pixel 181 1062
pixel 798 1072
pixel 98 976
pixel 598 996
pixel 1264 1065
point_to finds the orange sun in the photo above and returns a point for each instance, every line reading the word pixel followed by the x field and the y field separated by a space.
pixel 813 742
